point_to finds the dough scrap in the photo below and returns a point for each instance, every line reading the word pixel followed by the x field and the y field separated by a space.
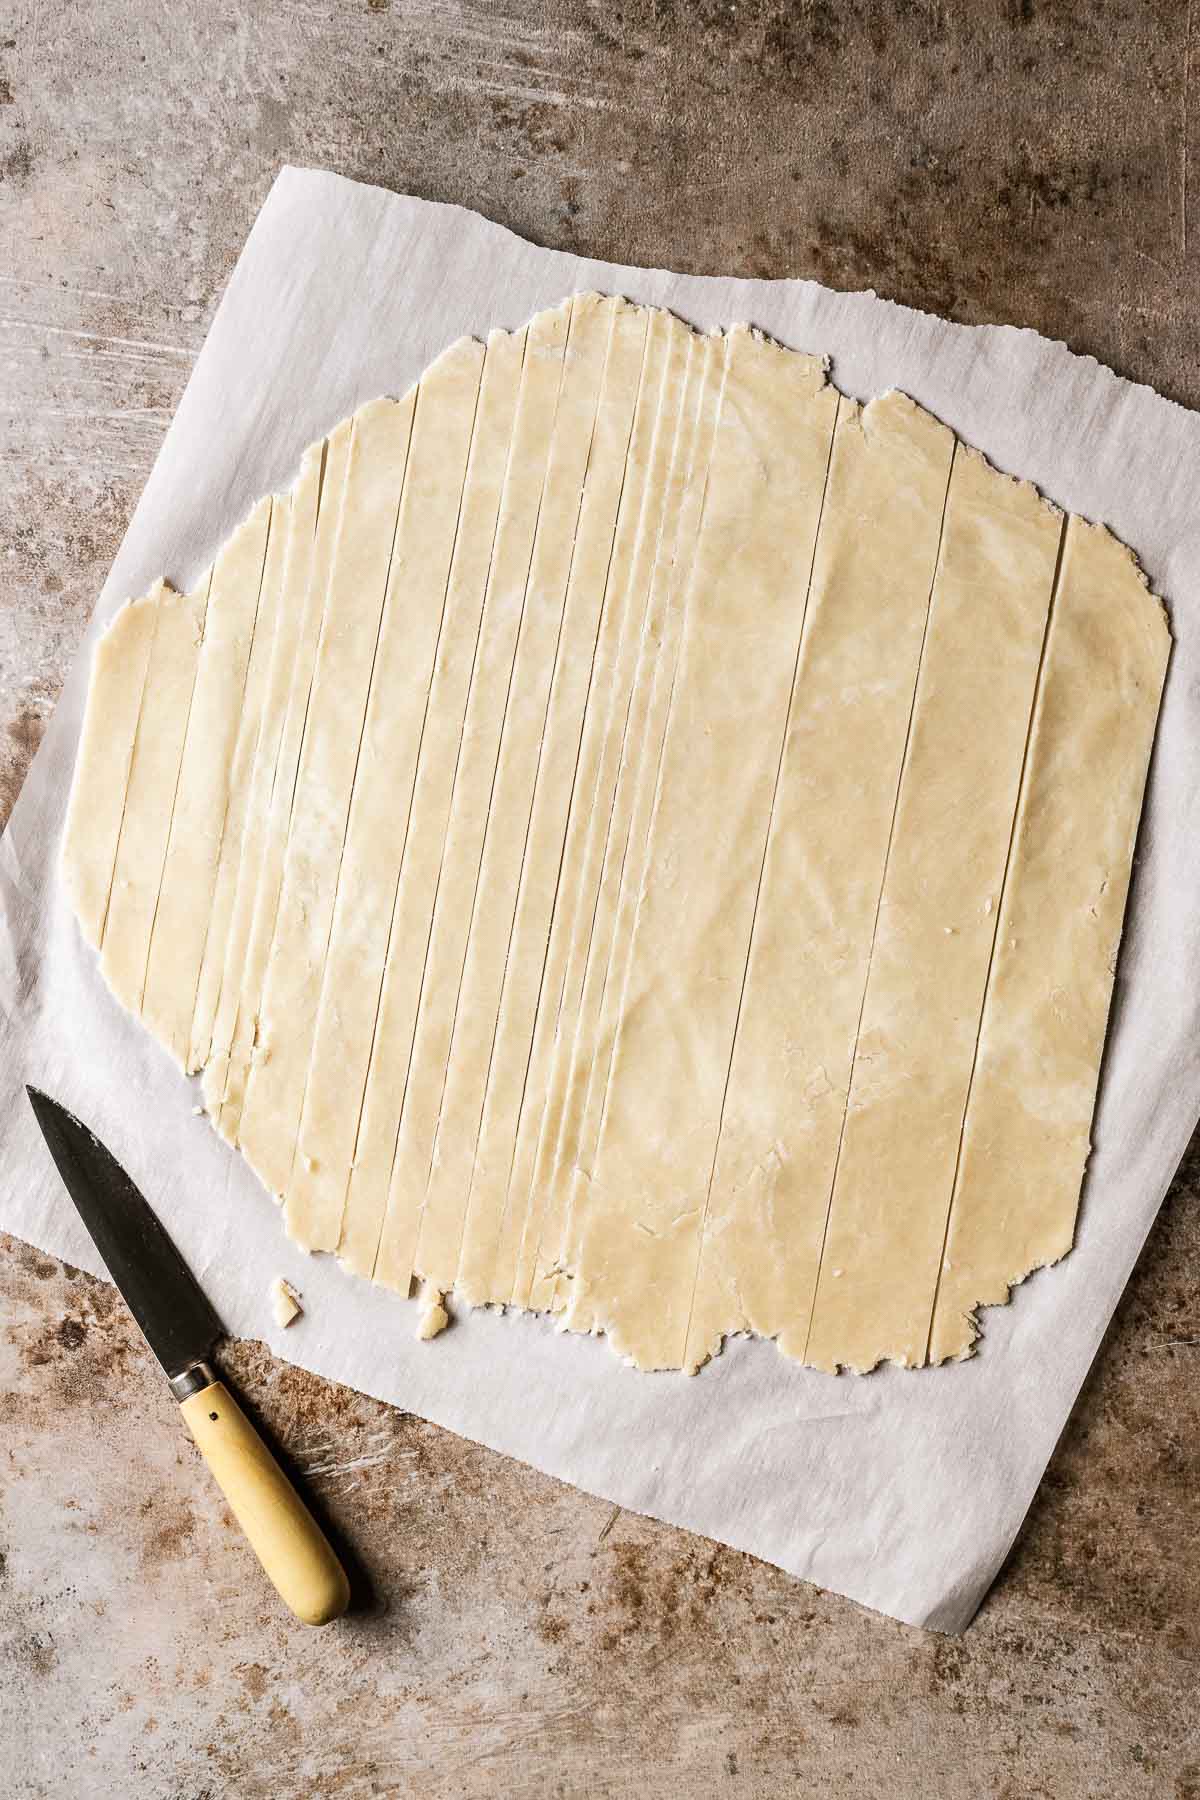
pixel 434 1317
pixel 636 835
pixel 285 1302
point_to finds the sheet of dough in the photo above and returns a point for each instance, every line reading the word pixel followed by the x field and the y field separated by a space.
pixel 379 810
pixel 937 921
pixel 1028 1125
pixel 375 471
pixel 387 1078
pixel 110 722
pixel 585 1077
pixel 198 821
pixel 872 579
pixel 508 580
pixel 741 642
pixel 546 619
pixel 601 836
pixel 217 946
pixel 528 981
pixel 150 800
pixel 311 557
pixel 488 1269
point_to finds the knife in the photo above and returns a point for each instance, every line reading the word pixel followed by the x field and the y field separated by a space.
pixel 181 1328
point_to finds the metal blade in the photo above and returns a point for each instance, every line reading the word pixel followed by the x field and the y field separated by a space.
pixel 157 1286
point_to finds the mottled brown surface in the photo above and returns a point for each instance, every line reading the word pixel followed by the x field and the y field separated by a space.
pixel 1032 162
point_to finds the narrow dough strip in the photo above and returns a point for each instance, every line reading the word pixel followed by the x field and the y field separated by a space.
pixel 153 780
pixel 1028 1122
pixel 545 619
pixel 217 943
pixel 591 811
pixel 379 809
pixel 531 983
pixel 542 376
pixel 345 658
pixel 180 925
pixel 626 849
pixel 307 580
pixel 873 574
pixel 639 1227
pixel 441 747
pixel 295 515
pixel 937 921
pixel 120 664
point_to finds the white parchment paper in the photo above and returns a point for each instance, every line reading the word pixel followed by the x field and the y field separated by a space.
pixel 902 1490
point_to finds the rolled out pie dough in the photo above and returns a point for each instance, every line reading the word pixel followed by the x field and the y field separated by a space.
pixel 637 835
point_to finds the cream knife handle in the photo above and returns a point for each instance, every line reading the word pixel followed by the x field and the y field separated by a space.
pixel 283 1534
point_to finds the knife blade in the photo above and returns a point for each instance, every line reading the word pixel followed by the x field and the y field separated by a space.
pixel 179 1324
pixel 173 1313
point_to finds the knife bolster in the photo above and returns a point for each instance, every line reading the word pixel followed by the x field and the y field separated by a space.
pixel 192 1381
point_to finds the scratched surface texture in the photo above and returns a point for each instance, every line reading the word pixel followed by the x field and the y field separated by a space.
pixel 1032 161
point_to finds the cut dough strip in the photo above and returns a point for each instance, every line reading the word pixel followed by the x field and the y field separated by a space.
pixel 571 683
pixel 383 785
pixel 441 746
pixel 508 583
pixel 545 617
pixel 1026 1134
pixel 873 576
pixel 375 472
pixel 180 924
pixel 937 921
pixel 153 782
pixel 97 805
pixel 241 774
pixel 316 515
pixel 542 1243
pixel 490 1268
pixel 673 1046
pixel 630 844
pixel 280 551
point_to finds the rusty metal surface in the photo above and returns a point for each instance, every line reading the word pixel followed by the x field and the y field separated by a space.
pixel 1032 162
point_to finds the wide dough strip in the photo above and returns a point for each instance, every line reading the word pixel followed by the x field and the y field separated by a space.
pixel 528 978
pixel 387 1076
pixel 97 805
pixel 358 580
pixel 241 777
pixel 542 376
pixel 937 921
pixel 1027 1133
pixel 379 807
pixel 546 618
pixel 560 1161
pixel 873 574
pixel 150 800
pixel 306 583
pixel 482 1276
pixel 181 922
pixel 639 1237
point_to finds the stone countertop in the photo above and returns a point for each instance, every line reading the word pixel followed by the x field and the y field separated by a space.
pixel 1034 162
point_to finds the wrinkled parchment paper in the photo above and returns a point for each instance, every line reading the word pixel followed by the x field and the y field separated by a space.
pixel 902 1490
